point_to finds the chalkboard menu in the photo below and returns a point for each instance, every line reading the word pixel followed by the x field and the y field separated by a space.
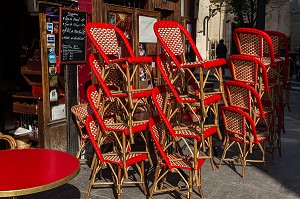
pixel 72 38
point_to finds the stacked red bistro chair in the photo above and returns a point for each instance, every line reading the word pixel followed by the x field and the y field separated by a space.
pixel 109 122
pixel 281 43
pixel 251 71
pixel 116 57
pixel 258 44
pixel 167 96
pixel 172 161
pixel 241 120
pixel 108 157
pixel 172 37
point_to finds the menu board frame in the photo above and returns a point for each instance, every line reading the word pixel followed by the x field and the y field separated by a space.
pixel 66 40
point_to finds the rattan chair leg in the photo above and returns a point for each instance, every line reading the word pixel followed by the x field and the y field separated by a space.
pixel 226 147
pixel 210 153
pixel 155 181
pixel 244 161
pixel 190 186
pixel 92 178
pixel 119 181
pixel 142 178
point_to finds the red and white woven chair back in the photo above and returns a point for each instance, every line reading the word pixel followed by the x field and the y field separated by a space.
pixel 280 42
pixel 107 39
pixel 244 97
pixel 172 36
pixel 276 44
pixel 111 79
pixel 81 111
pixel 242 69
pixel 238 123
pixel 254 42
pixel 106 116
pixel 157 131
pixel 249 70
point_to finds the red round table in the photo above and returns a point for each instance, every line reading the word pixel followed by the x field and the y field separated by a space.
pixel 27 171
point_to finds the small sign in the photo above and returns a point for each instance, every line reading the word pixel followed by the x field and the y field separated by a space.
pixel 50 41
pixel 53 95
pixel 52 56
pixel 50 27
pixel 55 27
pixel 58 112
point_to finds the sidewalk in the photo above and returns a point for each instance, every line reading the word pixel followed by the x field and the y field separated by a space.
pixel 281 181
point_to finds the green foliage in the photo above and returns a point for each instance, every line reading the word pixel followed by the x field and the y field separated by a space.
pixel 245 11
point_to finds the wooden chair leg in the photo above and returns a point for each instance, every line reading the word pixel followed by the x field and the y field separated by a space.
pixel 155 181
pixel 190 185
pixel 210 153
pixel 142 178
pixel 198 177
pixel 226 147
pixel 119 182
pixel 244 162
pixel 94 172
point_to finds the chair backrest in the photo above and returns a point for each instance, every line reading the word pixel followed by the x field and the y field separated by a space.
pixel 106 116
pixel 244 97
pixel 249 70
pixel 10 140
pixel 93 130
pixel 172 77
pixel 254 42
pixel 239 123
pixel 160 98
pixel 172 36
pixel 280 42
pixel 110 80
pixel 108 40
pixel 157 131
pixel 80 112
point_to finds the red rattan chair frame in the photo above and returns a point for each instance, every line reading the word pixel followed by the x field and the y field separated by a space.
pixel 80 112
pixel 109 123
pixel 180 131
pixel 106 39
pixel 172 162
pixel 171 36
pixel 241 130
pixel 113 161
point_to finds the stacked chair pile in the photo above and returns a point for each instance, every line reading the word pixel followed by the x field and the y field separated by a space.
pixel 254 116
pixel 186 106
pixel 115 100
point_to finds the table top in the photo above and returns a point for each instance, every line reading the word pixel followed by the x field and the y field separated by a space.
pixel 27 171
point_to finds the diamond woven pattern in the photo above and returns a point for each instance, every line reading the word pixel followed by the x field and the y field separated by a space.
pixel 107 40
pixel 245 70
pixel 113 76
pixel 250 44
pixel 234 122
pixel 239 97
pixel 80 112
pixel 173 39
